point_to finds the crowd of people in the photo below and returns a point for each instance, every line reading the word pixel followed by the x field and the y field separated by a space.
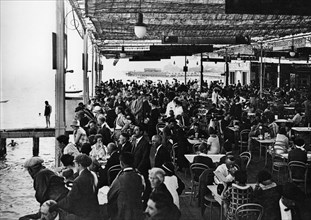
pixel 121 126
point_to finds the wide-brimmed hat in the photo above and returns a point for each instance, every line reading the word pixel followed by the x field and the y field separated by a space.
pixel 75 123
pixel 33 161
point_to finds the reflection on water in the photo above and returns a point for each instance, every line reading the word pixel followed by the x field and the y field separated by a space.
pixel 16 185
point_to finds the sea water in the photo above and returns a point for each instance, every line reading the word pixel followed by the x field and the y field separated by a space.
pixel 17 195
pixel 25 109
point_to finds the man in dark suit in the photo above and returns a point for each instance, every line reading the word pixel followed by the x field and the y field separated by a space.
pixel 158 153
pixel 141 150
pixel 125 144
pixel 82 198
pixel 104 130
pixel 113 160
pixel 299 153
pixel 124 196
pixel 111 115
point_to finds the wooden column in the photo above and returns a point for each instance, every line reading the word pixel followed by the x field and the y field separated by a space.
pixel 201 74
pixel 279 73
pixel 2 147
pixel 85 81
pixel 261 71
pixel 35 147
pixel 60 124
pixel 226 69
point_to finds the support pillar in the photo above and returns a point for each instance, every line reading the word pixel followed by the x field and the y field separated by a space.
pixel 60 123
pixel 85 81
pixel 261 71
pixel 2 147
pixel 35 147
pixel 226 69
pixel 279 73
pixel 201 75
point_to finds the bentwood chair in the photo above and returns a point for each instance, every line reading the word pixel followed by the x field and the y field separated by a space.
pixel 159 127
pixel 113 172
pixel 196 169
pixel 278 164
pixel 246 158
pixel 249 211
pixel 244 139
pixel 195 147
pixel 298 173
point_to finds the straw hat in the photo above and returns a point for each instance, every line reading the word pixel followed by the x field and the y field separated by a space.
pixel 75 123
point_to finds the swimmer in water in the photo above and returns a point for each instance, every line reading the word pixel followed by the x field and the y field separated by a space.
pixel 13 143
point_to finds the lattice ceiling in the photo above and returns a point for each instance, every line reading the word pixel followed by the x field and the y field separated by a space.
pixel 112 21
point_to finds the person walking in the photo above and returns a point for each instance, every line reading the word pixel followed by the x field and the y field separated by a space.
pixel 47 113
pixel 125 194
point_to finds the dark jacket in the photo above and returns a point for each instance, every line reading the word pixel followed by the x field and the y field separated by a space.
pixel 298 155
pixel 127 147
pixel 205 160
pixel 106 133
pixel 269 199
pixel 82 199
pixel 141 156
pixel 49 185
pixel 103 173
pixel 124 196
pixel 161 156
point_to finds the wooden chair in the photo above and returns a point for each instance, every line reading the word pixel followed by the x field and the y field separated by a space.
pixel 209 201
pixel 195 147
pixel 246 157
pixel 243 142
pixel 113 172
pixel 196 169
pixel 173 155
pixel 249 211
pixel 278 164
pixel 298 173
pixel 238 197
pixel 158 126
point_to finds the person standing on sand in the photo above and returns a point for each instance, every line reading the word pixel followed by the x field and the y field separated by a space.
pixel 47 113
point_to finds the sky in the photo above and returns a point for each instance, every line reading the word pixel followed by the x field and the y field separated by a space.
pixel 26 75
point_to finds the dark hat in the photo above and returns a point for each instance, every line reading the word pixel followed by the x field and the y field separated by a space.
pixel 33 161
pixel 168 167
pixel 299 142
pixel 292 192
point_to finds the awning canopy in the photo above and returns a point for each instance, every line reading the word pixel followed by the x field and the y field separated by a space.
pixel 184 22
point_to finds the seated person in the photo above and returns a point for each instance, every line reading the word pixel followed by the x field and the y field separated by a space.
pixel 98 149
pixel 196 132
pixel 297 117
pixel 112 150
pixel 213 143
pixel 290 202
pixel 299 153
pixel 202 156
pixel 68 170
pixel 156 178
pixel 86 148
pixel 224 173
pixel 281 144
pixel 158 207
pixel 267 193
pixel 240 189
